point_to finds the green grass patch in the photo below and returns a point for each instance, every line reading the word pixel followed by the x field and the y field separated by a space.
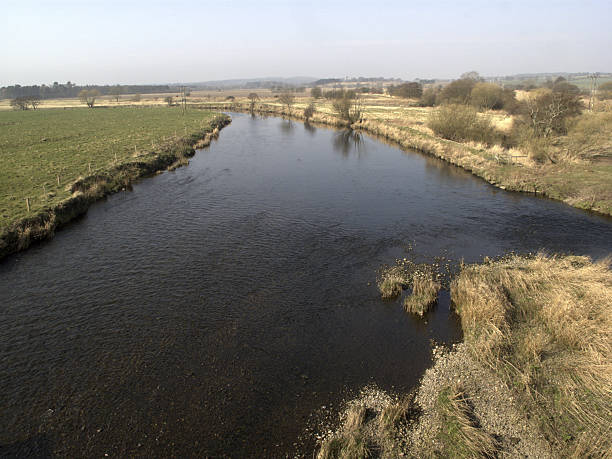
pixel 39 148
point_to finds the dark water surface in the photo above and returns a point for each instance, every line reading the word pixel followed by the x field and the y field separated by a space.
pixel 211 310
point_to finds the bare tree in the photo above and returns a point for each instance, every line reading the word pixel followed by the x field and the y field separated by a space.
pixel 20 103
pixel 349 109
pixel 88 96
pixel 253 97
pixel 287 99
pixel 316 92
pixel 547 111
pixel 309 111
pixel 34 101
pixel 169 100
pixel 116 92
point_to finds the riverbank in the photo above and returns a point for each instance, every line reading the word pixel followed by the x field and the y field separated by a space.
pixel 57 163
pixel 579 184
pixel 529 380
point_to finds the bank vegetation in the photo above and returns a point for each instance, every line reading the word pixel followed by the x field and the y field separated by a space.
pixel 532 377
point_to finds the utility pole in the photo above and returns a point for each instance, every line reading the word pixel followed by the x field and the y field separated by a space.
pixel 593 77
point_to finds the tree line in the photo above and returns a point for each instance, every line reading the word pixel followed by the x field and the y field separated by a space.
pixel 68 89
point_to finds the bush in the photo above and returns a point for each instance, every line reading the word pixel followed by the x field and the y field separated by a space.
pixel 548 111
pixel 408 90
pixel 537 148
pixel 336 94
pixel 309 111
pixel 349 109
pixel 604 92
pixel 589 137
pixel 487 96
pixel 428 98
pixel 316 92
pixel 458 91
pixel 461 123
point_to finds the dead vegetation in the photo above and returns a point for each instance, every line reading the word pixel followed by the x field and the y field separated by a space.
pixel 370 426
pixel 422 279
pixel 544 325
pixel 424 293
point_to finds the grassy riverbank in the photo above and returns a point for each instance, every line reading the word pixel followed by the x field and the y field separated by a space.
pixel 583 181
pixel 531 378
pixel 54 163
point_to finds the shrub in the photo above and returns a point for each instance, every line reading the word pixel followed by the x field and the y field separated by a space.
pixel 428 98
pixel 604 92
pixel 548 111
pixel 487 96
pixel 589 137
pixel 316 92
pixel 335 94
pixel 411 90
pixel 349 109
pixel 458 91
pixel 461 123
pixel 309 111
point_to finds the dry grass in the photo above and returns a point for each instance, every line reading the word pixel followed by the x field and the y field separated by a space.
pixel 545 325
pixel 460 434
pixel 350 442
pixel 392 281
pixel 370 428
pixel 424 293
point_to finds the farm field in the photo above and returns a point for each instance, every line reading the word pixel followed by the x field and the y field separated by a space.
pixel 43 152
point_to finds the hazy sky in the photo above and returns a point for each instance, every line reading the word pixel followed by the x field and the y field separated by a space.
pixel 188 41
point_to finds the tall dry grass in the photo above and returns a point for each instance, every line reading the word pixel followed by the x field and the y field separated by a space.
pixel 545 325
pixel 425 290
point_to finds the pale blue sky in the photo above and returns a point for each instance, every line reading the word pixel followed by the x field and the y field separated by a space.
pixel 157 42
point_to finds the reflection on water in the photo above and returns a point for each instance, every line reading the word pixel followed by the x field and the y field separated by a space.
pixel 309 128
pixel 211 310
pixel 287 126
pixel 348 141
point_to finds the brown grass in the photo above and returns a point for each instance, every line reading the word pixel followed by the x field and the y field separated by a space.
pixel 391 282
pixel 370 427
pixel 545 325
pixel 424 293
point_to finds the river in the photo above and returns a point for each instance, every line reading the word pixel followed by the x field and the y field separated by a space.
pixel 211 310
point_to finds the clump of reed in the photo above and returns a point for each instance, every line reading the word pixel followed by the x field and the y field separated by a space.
pixel 392 281
pixel 544 324
pixel 425 290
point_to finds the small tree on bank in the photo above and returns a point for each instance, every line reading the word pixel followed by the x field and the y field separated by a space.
pixel 116 92
pixel 88 96
pixel 309 111
pixel 287 99
pixel 349 109
pixel 253 97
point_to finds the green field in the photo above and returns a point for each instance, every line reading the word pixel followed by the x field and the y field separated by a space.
pixel 38 147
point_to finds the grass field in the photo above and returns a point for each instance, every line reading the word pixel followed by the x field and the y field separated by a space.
pixel 43 152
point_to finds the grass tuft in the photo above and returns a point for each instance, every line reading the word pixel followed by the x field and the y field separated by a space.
pixel 424 293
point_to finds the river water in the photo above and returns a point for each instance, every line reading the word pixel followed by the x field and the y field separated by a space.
pixel 211 310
